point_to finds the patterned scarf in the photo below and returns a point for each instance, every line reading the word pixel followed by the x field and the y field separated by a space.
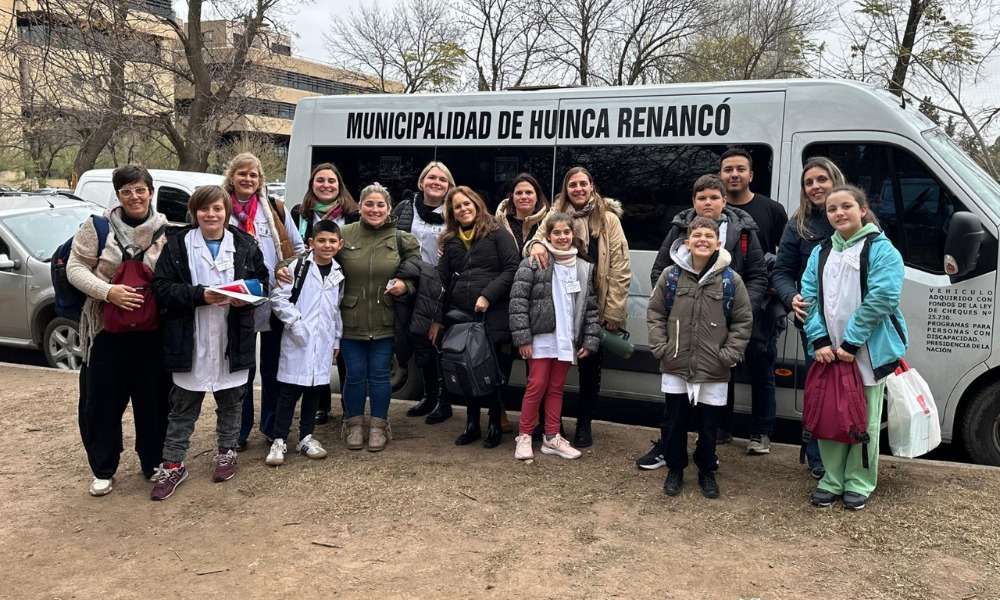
pixel 245 213
pixel 581 221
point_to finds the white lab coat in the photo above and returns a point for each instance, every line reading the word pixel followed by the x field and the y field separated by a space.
pixel 313 326
pixel 558 344
pixel 209 364
pixel 841 298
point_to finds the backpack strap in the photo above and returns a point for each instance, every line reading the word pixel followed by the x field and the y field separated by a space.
pixel 866 252
pixel 670 288
pixel 728 293
pixel 102 227
pixel 824 253
pixel 299 277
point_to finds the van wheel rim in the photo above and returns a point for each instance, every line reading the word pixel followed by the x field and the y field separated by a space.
pixel 65 348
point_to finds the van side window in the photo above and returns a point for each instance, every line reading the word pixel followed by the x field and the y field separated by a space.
pixel 911 204
pixel 490 170
pixel 173 203
pixel 653 183
pixel 396 168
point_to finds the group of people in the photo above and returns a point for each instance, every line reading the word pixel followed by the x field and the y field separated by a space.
pixel 354 282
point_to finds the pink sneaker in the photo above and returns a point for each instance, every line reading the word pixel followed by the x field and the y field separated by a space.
pixel 522 447
pixel 225 465
pixel 560 447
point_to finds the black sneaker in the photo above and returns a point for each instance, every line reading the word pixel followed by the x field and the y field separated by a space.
pixel 675 480
pixel 854 501
pixel 322 417
pixel 817 472
pixel 822 498
pixel 653 459
pixel 709 487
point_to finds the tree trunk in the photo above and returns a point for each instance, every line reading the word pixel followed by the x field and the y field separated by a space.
pixel 917 9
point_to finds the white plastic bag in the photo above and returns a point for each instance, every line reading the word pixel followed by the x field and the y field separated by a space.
pixel 914 427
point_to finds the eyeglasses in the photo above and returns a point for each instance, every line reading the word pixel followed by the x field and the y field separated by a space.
pixel 133 192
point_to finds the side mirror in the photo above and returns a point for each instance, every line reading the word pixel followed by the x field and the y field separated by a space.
pixel 6 264
pixel 961 246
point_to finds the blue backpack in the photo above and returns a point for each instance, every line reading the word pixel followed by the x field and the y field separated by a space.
pixel 69 300
pixel 728 290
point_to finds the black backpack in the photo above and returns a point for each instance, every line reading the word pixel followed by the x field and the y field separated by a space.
pixel 69 300
pixel 468 362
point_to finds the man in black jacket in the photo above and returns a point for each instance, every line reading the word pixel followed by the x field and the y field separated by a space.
pixel 736 170
pixel 738 232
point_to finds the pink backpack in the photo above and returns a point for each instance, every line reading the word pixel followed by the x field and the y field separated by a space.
pixel 835 404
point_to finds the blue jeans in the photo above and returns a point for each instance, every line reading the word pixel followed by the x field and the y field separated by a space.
pixel 368 363
pixel 812 448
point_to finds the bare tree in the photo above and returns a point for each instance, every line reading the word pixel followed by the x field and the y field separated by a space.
pixel 646 36
pixel 576 28
pixel 505 40
pixel 412 48
pixel 764 39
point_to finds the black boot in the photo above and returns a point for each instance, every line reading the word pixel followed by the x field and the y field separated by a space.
pixel 472 431
pixel 590 387
pixel 432 389
pixel 582 437
pixel 494 433
pixel 441 412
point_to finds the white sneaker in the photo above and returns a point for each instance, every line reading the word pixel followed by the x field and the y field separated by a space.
pixel 276 455
pixel 560 447
pixel 100 487
pixel 311 447
pixel 522 447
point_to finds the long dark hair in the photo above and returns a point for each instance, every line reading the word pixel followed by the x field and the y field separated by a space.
pixel 541 201
pixel 859 196
pixel 484 224
pixel 805 204
pixel 344 196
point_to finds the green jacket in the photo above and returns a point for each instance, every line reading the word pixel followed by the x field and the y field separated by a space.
pixel 369 259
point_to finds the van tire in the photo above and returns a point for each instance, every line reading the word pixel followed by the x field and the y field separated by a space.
pixel 981 426
pixel 406 384
pixel 62 344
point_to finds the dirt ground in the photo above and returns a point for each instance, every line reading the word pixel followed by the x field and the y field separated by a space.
pixel 426 519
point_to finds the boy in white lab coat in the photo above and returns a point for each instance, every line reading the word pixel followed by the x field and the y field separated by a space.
pixel 310 311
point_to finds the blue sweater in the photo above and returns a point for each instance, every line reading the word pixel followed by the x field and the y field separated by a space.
pixel 872 323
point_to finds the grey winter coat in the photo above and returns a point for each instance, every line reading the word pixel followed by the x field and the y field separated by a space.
pixel 693 341
pixel 533 312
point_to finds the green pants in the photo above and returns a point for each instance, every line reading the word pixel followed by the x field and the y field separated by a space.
pixel 844 469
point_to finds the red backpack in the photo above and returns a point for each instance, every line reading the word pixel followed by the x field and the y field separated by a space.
pixel 133 272
pixel 835 405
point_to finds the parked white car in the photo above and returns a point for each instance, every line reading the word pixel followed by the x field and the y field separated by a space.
pixel 172 189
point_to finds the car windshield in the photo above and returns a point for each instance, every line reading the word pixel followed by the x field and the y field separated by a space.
pixel 42 231
pixel 968 171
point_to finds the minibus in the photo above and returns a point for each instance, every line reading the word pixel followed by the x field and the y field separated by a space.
pixel 646 145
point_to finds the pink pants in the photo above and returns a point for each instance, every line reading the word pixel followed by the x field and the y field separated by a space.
pixel 546 377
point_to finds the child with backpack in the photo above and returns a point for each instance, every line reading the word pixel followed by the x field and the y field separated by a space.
pixel 553 322
pixel 310 341
pixel 852 285
pixel 209 340
pixel 700 321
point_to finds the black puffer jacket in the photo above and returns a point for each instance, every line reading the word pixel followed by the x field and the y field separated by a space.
pixel 533 310
pixel 794 251
pixel 486 269
pixel 177 298
pixel 297 214
pixel 750 266
pixel 415 312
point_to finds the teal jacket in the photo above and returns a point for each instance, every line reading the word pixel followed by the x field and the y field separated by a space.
pixel 877 323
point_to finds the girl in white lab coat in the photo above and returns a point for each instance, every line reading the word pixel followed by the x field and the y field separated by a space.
pixel 209 340
pixel 310 312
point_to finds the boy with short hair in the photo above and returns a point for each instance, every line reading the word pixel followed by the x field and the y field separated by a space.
pixel 310 311
pixel 699 320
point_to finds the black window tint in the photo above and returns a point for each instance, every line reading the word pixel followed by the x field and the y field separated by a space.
pixel 653 183
pixel 912 206
pixel 490 170
pixel 395 168
pixel 172 203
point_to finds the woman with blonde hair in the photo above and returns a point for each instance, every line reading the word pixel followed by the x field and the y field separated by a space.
pixel 807 228
pixel 477 266
pixel 268 221
pixel 422 214
pixel 597 224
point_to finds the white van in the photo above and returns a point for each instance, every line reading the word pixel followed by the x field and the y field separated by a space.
pixel 647 145
pixel 172 189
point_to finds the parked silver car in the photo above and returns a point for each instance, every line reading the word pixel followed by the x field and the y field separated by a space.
pixel 32 226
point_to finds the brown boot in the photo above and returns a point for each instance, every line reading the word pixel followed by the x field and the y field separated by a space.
pixel 354 432
pixel 378 435
pixel 505 425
